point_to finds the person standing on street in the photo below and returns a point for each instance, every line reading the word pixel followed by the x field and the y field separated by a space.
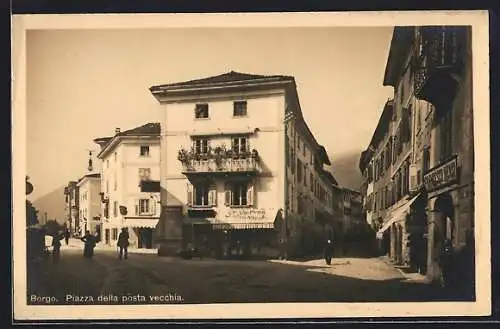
pixel 90 243
pixel 66 236
pixel 56 244
pixel 328 251
pixel 123 243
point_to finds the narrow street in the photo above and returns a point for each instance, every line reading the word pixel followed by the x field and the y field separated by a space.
pixel 148 278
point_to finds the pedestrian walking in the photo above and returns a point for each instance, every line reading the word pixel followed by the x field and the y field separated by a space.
pixel 123 243
pixel 56 246
pixel 90 242
pixel 328 251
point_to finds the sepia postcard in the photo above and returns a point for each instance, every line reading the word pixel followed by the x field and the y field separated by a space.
pixel 246 166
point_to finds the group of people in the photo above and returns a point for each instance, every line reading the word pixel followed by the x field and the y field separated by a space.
pixel 90 242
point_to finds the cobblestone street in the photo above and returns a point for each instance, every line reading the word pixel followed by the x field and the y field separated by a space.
pixel 148 278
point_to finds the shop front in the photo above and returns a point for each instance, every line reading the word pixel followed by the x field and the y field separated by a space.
pixel 242 233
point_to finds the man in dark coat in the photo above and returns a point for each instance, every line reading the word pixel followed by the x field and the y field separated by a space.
pixel 66 236
pixel 328 251
pixel 123 243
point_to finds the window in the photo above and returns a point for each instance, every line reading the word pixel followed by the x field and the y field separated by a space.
pixel 311 181
pixel 305 174
pixel 240 144
pixel 144 206
pixel 115 183
pixel 304 150
pixel 426 160
pixel 107 163
pixel 115 208
pixel 200 146
pixel 144 151
pixel 239 193
pixel 114 234
pixel 200 196
pixel 201 111
pixel 115 156
pixel 144 174
pixel 240 108
pixel 107 186
pixel 299 170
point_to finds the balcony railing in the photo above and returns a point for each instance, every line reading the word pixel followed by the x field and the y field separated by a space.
pixel 224 165
pixel 441 53
pixel 219 161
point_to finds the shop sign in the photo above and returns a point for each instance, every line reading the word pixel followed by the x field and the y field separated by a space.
pixel 442 175
pixel 248 214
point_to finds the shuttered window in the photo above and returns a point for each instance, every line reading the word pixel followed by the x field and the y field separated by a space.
pixel 201 195
pixel 239 194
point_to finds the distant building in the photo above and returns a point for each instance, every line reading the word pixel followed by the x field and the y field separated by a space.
pixel 353 218
pixel 89 187
pixel 130 174
pixel 241 167
pixel 71 207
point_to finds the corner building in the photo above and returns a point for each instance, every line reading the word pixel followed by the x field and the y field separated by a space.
pixel 238 163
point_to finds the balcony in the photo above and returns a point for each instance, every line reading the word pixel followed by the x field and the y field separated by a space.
pixel 439 63
pixel 219 161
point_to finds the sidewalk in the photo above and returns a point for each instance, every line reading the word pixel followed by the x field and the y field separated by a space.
pixel 131 250
pixel 405 272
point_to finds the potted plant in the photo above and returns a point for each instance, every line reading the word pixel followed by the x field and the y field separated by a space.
pixel 182 155
pixel 218 155
pixel 255 154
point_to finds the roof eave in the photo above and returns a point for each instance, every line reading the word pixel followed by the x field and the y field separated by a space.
pixel 159 93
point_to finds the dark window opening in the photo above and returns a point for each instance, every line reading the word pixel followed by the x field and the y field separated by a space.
pixel 240 108
pixel 201 111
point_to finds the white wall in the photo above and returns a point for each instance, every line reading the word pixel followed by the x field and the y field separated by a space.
pixel 263 112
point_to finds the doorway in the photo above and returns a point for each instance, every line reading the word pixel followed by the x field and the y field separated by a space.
pixel 145 238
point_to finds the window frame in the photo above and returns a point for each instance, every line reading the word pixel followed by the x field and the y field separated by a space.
pixel 144 154
pixel 244 108
pixel 199 107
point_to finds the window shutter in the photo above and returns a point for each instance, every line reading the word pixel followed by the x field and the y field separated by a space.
pixel 250 194
pixel 227 194
pixel 190 194
pixel 137 207
pixel 413 177
pixel 212 196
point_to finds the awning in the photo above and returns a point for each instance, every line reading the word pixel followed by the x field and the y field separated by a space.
pixel 231 223
pixel 141 222
pixel 396 215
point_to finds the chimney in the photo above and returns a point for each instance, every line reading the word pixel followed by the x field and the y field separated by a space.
pixel 117 131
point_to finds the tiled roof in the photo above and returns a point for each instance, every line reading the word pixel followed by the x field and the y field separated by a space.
pixel 148 129
pixel 152 128
pixel 228 77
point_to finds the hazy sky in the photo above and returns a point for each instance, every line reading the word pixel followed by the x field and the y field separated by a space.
pixel 81 84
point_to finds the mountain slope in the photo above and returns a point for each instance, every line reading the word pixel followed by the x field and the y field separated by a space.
pixel 346 170
pixel 53 204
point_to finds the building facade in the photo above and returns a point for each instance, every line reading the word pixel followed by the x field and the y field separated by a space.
pixel 130 173
pixel 352 210
pixel 240 169
pixel 432 148
pixel 89 213
pixel 71 207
